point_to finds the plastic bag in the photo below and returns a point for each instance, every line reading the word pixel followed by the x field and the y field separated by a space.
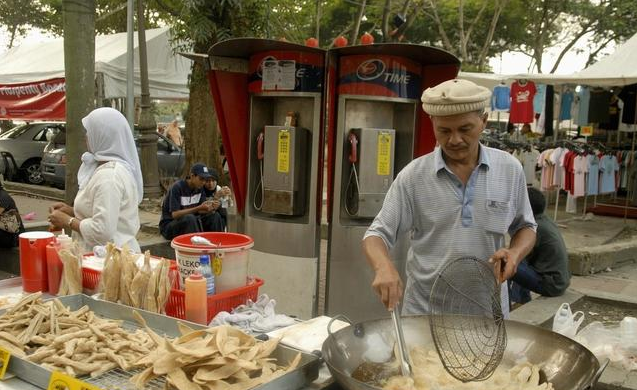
pixel 565 322
pixel 618 343
pixel 111 274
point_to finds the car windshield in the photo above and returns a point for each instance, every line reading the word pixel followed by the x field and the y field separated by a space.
pixel 15 132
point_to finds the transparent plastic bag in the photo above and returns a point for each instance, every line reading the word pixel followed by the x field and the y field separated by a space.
pixel 566 322
pixel 618 343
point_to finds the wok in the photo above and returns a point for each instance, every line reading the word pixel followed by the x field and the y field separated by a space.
pixel 563 362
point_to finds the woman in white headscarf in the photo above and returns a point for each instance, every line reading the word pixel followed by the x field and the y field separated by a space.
pixel 110 185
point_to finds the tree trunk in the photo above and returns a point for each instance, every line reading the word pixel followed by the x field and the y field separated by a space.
pixel 79 71
pixel 147 125
pixel 202 135
pixel 385 26
pixel 568 47
pixel 357 23
pixel 441 30
pixel 499 6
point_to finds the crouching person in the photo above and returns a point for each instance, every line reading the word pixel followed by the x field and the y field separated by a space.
pixel 545 270
pixel 185 209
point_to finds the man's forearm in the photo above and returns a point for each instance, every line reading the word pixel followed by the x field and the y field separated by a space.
pixel 376 252
pixel 522 243
pixel 180 213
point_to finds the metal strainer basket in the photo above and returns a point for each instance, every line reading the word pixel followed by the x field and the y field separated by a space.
pixel 467 324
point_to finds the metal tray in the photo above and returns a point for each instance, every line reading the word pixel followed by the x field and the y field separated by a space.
pixel 305 373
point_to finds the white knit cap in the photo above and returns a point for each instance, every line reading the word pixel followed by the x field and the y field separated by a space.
pixel 454 97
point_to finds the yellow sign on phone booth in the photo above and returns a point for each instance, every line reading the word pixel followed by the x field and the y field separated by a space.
pixel 283 160
pixel 383 160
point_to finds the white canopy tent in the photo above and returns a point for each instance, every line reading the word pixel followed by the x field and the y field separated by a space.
pixel 167 71
pixel 617 69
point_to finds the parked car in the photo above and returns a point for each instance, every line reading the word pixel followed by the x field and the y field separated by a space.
pixel 26 143
pixel 170 159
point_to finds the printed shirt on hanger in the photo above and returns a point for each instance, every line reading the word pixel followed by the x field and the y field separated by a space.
pixel 522 102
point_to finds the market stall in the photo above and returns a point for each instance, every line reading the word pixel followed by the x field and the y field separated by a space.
pixel 32 75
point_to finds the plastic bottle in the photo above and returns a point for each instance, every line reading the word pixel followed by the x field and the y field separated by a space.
pixel 206 272
pixel 563 318
pixel 196 302
pixel 64 241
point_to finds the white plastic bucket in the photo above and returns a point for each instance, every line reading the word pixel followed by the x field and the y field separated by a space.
pixel 229 257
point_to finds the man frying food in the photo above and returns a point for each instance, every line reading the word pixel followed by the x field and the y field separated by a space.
pixel 459 200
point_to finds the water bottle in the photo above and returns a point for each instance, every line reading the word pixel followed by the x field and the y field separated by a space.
pixel 206 272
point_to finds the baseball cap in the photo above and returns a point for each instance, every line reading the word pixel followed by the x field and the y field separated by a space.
pixel 454 97
pixel 201 170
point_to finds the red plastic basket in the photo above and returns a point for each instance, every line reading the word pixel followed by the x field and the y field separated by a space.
pixel 91 277
pixel 224 301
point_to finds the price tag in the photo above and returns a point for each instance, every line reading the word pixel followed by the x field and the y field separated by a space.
pixel 586 131
pixel 4 360
pixel 60 381
pixel 283 161
pixel 383 161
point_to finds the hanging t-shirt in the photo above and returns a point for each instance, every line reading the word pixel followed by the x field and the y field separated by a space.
pixel 628 96
pixel 548 111
pixel 529 160
pixel 522 102
pixel 565 105
pixel 538 100
pixel 580 168
pixel 584 97
pixel 613 115
pixel 598 108
pixel 592 187
pixel 607 166
pixel 500 98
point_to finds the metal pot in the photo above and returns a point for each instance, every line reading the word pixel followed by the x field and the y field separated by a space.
pixel 563 362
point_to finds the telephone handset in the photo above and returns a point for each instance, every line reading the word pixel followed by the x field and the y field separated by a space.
pixel 371 159
pixel 260 140
pixel 258 201
pixel 351 192
pixel 353 151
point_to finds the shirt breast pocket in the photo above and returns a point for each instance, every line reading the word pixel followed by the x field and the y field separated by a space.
pixel 497 216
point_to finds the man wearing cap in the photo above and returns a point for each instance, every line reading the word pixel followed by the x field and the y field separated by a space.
pixel 459 200
pixel 185 209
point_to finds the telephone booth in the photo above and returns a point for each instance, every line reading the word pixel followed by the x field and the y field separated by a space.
pixel 269 101
pixel 375 127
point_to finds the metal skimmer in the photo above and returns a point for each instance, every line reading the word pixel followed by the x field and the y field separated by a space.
pixel 466 322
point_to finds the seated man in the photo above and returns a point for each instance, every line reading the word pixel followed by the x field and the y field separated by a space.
pixel 185 208
pixel 545 269
pixel 219 197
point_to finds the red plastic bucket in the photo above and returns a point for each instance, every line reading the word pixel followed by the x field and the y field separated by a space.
pixel 33 260
pixel 228 258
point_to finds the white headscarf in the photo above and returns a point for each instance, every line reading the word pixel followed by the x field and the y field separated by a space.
pixel 109 139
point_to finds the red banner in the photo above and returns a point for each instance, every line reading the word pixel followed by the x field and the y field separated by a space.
pixel 42 100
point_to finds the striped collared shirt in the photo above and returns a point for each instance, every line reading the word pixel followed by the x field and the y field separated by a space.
pixel 447 220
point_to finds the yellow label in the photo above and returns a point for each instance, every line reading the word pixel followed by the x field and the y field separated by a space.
pixel 283 160
pixel 586 131
pixel 217 265
pixel 383 162
pixel 4 360
pixel 60 381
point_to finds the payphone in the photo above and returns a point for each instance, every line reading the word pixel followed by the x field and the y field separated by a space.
pixel 282 151
pixel 371 158
pixel 377 127
pixel 270 107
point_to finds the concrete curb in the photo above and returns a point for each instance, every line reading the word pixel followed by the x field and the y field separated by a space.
pixel 586 261
pixel 34 190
